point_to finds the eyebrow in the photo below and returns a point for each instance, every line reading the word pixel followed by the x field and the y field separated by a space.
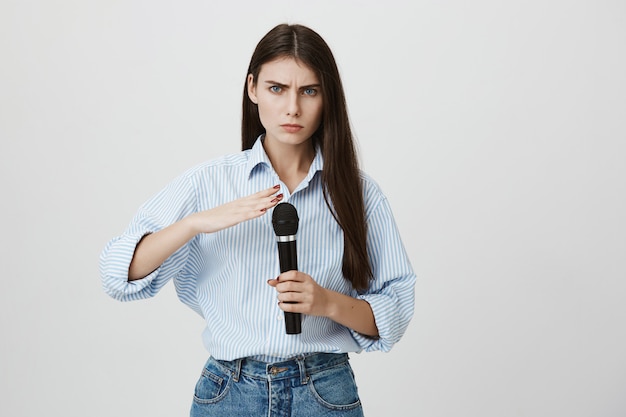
pixel 304 87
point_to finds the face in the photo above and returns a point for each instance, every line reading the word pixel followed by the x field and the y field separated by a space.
pixel 289 99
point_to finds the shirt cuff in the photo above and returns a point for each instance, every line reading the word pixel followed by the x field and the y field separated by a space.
pixel 384 309
pixel 114 263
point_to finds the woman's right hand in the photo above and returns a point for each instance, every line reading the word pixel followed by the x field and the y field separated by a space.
pixel 155 248
pixel 235 212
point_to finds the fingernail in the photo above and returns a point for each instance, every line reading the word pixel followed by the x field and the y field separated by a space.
pixel 277 186
pixel 263 209
pixel 279 196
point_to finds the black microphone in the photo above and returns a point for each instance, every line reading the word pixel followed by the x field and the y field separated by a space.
pixel 285 221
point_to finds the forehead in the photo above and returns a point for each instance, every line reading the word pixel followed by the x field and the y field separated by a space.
pixel 288 71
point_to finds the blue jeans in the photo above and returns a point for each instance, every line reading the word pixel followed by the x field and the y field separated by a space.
pixel 319 384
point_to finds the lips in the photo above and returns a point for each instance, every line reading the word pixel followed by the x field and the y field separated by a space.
pixel 291 128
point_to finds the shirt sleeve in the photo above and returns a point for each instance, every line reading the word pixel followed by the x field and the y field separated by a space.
pixel 171 204
pixel 392 291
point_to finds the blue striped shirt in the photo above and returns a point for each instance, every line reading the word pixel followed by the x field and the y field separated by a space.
pixel 223 276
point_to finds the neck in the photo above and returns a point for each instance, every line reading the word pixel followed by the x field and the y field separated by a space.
pixel 291 162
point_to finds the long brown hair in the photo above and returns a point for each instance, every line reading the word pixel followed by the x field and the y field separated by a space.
pixel 340 176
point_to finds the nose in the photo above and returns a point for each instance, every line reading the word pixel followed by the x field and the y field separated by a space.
pixel 293 104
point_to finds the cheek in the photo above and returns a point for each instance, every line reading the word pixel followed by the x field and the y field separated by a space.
pixel 313 107
pixel 318 113
pixel 265 113
pixel 267 104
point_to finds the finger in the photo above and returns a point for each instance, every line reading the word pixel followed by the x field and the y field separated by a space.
pixel 290 276
pixel 260 207
pixel 291 307
pixel 276 199
pixel 267 192
pixel 289 297
pixel 273 201
pixel 289 286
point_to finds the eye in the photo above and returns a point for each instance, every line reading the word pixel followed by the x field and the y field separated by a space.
pixel 275 89
pixel 310 91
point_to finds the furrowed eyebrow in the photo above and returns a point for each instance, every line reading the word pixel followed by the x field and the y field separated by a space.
pixel 304 87
pixel 276 83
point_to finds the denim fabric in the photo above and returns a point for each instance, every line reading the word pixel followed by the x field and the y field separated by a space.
pixel 316 385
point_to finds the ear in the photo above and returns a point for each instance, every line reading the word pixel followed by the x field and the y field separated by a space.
pixel 252 89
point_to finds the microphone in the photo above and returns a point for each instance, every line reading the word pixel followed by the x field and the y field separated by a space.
pixel 285 221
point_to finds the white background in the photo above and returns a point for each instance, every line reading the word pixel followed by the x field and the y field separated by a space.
pixel 496 128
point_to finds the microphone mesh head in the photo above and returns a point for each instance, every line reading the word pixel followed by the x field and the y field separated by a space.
pixel 285 220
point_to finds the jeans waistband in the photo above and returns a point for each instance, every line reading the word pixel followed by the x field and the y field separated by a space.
pixel 299 366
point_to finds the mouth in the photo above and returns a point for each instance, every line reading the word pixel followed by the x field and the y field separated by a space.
pixel 291 128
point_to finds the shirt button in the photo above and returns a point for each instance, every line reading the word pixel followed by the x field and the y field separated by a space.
pixel 280 317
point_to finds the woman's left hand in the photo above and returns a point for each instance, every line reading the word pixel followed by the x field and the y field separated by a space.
pixel 299 293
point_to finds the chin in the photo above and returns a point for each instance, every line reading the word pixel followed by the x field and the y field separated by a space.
pixel 292 138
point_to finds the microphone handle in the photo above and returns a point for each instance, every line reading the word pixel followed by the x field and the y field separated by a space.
pixel 288 260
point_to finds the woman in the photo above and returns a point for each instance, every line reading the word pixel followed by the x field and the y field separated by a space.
pixel 209 231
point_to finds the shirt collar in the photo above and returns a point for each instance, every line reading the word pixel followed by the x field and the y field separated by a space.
pixel 258 157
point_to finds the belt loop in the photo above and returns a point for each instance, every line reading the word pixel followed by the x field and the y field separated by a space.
pixel 237 371
pixel 304 378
